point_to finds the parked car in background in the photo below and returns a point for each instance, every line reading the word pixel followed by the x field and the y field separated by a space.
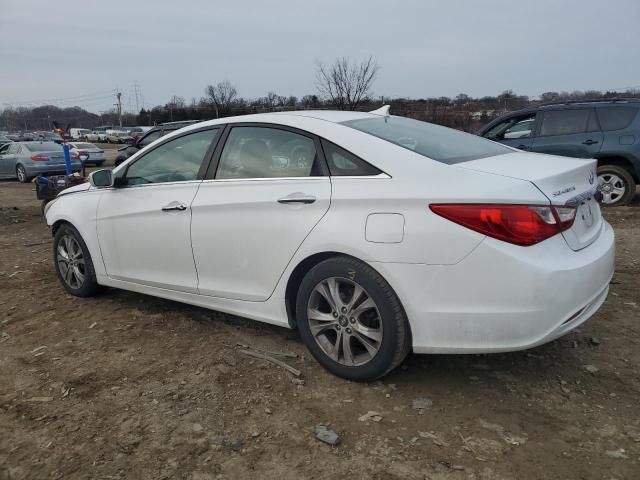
pixel 371 234
pixel 607 130
pixel 150 136
pixel 25 160
pixel 47 137
pixel 119 137
pixel 79 133
pixel 95 155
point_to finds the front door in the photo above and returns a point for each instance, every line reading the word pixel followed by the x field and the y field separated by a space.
pixel 269 191
pixel 144 225
pixel 569 132
pixel 516 131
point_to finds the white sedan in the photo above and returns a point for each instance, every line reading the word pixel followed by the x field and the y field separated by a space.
pixel 93 154
pixel 371 234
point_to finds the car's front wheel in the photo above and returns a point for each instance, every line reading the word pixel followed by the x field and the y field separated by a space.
pixel 73 263
pixel 616 185
pixel 351 320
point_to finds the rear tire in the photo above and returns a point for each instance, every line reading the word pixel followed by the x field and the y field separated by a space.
pixel 73 263
pixel 361 332
pixel 21 173
pixel 616 185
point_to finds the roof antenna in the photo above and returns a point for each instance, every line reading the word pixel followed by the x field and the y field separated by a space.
pixel 384 111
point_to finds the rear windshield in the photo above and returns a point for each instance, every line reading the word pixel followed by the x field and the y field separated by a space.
pixel 43 146
pixel 438 143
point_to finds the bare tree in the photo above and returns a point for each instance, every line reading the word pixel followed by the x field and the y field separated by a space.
pixel 346 83
pixel 221 96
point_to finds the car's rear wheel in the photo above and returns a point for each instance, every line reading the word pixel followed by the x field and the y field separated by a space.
pixel 351 320
pixel 73 263
pixel 21 173
pixel 616 185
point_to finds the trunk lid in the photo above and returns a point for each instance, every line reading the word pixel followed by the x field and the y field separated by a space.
pixel 563 180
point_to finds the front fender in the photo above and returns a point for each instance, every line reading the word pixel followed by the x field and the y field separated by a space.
pixel 80 210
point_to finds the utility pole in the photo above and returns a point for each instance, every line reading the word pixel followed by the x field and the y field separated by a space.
pixel 119 107
pixel 135 91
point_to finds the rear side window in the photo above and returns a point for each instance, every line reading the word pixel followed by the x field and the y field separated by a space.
pixel 616 118
pixel 263 152
pixel 564 122
pixel 342 163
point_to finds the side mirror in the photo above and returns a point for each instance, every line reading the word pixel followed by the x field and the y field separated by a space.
pixel 101 178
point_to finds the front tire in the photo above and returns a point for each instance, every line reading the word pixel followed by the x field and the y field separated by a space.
pixel 616 185
pixel 21 174
pixel 351 320
pixel 73 263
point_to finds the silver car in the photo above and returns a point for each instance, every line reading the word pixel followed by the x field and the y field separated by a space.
pixel 25 160
pixel 95 155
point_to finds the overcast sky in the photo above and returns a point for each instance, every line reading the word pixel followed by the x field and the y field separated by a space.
pixel 78 52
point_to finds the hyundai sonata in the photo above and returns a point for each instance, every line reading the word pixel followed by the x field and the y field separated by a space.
pixel 371 234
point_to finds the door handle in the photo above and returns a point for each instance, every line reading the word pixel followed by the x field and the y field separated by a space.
pixel 174 206
pixel 297 198
pixel 589 142
pixel 523 147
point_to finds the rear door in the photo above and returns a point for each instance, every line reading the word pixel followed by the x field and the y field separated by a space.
pixel 572 132
pixel 266 190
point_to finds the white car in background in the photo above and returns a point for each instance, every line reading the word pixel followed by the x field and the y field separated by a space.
pixel 372 234
pixel 93 154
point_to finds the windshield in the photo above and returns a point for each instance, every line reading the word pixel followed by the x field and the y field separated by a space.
pixel 43 146
pixel 433 141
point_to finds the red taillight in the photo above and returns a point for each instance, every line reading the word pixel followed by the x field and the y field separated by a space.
pixel 39 158
pixel 518 224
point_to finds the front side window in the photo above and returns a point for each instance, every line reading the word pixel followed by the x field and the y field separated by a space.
pixel 263 152
pixel 515 127
pixel 178 160
pixel 433 141
pixel 564 122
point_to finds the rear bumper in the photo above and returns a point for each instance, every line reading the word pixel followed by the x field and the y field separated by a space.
pixel 502 297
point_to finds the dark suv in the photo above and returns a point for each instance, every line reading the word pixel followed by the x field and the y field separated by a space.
pixel 149 137
pixel 608 130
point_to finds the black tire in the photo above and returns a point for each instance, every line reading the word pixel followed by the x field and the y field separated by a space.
pixel 89 286
pixel 396 335
pixel 623 174
pixel 99 164
pixel 21 174
pixel 43 205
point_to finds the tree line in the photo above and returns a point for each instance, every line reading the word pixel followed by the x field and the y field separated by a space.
pixel 342 85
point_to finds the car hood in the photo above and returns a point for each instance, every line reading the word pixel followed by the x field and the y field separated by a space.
pixel 83 187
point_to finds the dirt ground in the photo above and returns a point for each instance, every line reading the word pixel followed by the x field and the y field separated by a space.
pixel 128 386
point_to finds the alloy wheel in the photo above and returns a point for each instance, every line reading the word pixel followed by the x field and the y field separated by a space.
pixel 345 321
pixel 21 173
pixel 71 262
pixel 612 187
